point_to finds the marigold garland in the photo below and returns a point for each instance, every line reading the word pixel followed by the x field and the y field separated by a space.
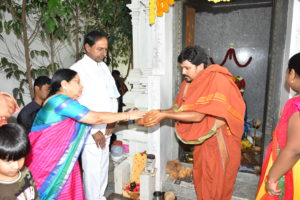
pixel 160 6
pixel 157 8
pixel 166 6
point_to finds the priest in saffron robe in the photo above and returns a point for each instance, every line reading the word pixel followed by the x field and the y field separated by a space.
pixel 209 114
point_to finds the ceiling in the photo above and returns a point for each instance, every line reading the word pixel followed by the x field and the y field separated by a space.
pixel 204 5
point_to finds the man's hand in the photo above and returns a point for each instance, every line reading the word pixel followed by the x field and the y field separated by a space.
pixel 110 128
pixel 99 139
pixel 153 117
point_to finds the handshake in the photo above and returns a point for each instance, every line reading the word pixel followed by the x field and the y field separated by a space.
pixel 151 118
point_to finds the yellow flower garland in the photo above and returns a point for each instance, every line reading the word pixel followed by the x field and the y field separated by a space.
pixel 158 8
pixel 165 5
pixel 160 4
pixel 152 10
pixel 171 2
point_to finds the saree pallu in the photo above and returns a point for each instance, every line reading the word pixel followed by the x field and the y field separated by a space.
pixel 56 143
pixel 290 181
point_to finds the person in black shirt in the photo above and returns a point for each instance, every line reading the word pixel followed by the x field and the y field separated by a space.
pixel 41 91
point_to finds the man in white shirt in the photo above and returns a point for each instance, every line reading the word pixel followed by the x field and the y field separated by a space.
pixel 99 94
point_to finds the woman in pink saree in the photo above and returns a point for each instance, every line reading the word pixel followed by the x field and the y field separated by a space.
pixel 58 134
pixel 280 177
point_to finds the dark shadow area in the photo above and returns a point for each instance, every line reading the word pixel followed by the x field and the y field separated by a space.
pixel 205 6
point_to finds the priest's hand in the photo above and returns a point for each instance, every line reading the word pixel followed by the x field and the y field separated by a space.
pixel 153 117
pixel 99 139
pixel 140 122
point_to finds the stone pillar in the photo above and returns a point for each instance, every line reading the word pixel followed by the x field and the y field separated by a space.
pixel 177 42
pixel 275 66
pixel 177 46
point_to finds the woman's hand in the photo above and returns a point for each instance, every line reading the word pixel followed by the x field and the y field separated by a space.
pixel 272 188
pixel 135 114
pixel 107 117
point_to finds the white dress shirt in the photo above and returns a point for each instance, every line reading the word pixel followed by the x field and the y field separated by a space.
pixel 99 89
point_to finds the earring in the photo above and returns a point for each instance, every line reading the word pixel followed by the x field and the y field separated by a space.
pixel 64 88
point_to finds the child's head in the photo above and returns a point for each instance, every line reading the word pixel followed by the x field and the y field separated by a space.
pixel 293 73
pixel 14 147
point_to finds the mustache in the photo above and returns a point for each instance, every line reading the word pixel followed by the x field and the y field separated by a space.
pixel 187 78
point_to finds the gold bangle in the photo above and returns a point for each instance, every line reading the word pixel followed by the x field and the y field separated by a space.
pixel 128 116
